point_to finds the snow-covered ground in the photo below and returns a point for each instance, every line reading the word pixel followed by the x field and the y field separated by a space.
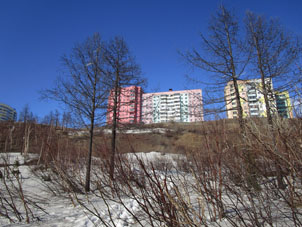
pixel 139 131
pixel 154 157
pixel 125 131
pixel 13 158
pixel 60 210
pixel 55 211
pixel 83 210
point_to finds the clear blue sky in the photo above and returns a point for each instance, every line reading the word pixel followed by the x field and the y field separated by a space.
pixel 36 33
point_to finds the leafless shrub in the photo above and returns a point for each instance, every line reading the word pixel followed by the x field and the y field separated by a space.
pixel 63 175
pixel 60 164
pixel 15 204
pixel 209 186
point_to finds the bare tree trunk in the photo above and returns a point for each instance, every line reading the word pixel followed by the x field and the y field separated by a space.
pixel 264 85
pixel 92 119
pixel 41 153
pixel 28 130
pixel 113 147
pixel 239 106
pixel 114 125
pixel 88 164
pixel 11 137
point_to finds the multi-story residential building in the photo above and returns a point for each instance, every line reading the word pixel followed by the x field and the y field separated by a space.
pixel 178 106
pixel 251 98
pixel 283 104
pixel 136 107
pixel 7 113
pixel 129 106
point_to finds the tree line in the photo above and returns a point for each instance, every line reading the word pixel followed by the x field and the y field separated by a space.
pixel 53 118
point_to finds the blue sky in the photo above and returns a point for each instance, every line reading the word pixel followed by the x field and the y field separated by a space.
pixel 36 33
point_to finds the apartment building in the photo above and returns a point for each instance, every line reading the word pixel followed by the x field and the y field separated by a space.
pixel 283 104
pixel 136 107
pixel 7 113
pixel 252 99
pixel 129 106
pixel 177 106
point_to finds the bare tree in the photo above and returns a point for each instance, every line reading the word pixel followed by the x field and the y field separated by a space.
pixel 28 118
pixel 26 115
pixel 57 118
pixel 66 120
pixel 82 88
pixel 121 70
pixel 274 54
pixel 49 119
pixel 226 56
pixel 223 55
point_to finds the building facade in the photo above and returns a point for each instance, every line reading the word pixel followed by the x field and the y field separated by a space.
pixel 7 113
pixel 283 104
pixel 252 99
pixel 177 106
pixel 129 108
pixel 136 107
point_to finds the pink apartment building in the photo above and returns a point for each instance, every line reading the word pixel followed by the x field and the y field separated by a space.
pixel 129 105
pixel 177 106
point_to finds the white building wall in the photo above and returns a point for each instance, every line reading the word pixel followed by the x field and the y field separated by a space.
pixel 178 106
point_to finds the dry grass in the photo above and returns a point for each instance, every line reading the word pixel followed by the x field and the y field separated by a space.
pixel 224 165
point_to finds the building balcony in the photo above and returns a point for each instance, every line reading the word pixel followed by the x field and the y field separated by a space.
pixel 254 114
pixel 252 99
